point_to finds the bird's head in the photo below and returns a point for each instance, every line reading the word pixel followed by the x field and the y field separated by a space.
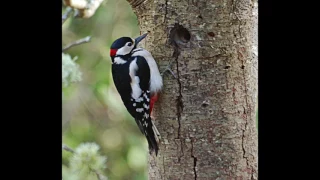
pixel 125 45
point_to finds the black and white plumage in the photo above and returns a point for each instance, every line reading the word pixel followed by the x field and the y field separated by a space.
pixel 155 78
pixel 136 78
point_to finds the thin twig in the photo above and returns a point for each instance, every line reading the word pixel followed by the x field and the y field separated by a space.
pixel 65 147
pixel 169 69
pixel 100 176
pixel 66 14
pixel 78 42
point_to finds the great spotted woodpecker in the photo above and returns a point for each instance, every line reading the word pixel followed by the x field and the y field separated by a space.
pixel 137 79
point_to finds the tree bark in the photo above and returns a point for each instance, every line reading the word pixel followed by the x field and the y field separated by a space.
pixel 206 117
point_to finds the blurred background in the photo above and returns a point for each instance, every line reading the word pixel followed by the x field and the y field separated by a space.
pixel 92 108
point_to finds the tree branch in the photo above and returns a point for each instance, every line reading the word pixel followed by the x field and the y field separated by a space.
pixel 135 3
pixel 100 176
pixel 65 147
pixel 66 14
pixel 78 42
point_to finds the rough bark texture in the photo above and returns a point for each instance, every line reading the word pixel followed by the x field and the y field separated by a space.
pixel 206 117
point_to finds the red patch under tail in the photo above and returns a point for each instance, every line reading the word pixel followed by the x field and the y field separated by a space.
pixel 154 99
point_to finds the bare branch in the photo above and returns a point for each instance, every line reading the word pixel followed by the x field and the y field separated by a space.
pixel 65 147
pixel 78 42
pixel 135 3
pixel 100 176
pixel 66 14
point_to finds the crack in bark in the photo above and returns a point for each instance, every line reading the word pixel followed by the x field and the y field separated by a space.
pixel 176 54
pixel 234 8
pixel 245 114
pixel 245 117
pixel 179 100
pixel 244 110
pixel 194 161
pixel 246 99
pixel 242 143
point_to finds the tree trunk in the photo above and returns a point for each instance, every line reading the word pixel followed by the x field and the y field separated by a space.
pixel 206 117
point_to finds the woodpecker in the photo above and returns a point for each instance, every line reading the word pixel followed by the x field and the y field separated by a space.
pixel 138 81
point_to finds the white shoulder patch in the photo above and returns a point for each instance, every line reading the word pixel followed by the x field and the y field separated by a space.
pixel 155 76
pixel 136 90
pixel 119 60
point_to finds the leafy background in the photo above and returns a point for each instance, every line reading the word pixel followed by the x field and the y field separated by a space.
pixel 92 108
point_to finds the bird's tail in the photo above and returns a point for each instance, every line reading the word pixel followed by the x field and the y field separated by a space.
pixel 150 132
pixel 151 138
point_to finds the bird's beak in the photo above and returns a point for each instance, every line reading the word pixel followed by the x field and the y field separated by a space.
pixel 140 38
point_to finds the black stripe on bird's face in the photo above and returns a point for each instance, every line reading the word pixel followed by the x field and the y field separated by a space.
pixel 125 45
pixel 122 47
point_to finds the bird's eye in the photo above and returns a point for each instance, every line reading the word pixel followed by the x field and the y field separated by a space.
pixel 129 44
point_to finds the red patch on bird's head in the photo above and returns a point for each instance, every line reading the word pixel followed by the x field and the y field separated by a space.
pixel 113 52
